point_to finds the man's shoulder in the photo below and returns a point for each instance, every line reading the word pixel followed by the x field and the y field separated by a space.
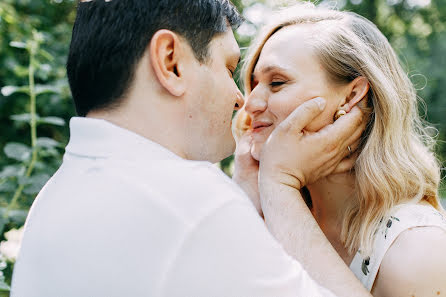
pixel 189 186
pixel 182 188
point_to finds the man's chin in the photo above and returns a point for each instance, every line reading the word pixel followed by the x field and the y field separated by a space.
pixel 225 150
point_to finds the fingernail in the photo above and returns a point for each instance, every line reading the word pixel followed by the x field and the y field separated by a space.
pixel 321 103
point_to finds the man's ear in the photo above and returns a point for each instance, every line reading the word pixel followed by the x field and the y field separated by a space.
pixel 357 90
pixel 166 52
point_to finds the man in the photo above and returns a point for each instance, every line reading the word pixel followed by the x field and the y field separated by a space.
pixel 136 209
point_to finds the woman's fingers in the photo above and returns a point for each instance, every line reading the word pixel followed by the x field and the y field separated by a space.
pixel 346 129
pixel 344 133
pixel 346 164
pixel 319 153
pixel 356 136
pixel 244 144
pixel 303 115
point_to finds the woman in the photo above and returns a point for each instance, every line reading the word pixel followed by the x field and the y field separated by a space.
pixel 384 217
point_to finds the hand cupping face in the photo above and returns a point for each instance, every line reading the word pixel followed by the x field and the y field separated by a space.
pixel 282 85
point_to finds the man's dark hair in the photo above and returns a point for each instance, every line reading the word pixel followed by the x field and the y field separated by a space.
pixel 110 37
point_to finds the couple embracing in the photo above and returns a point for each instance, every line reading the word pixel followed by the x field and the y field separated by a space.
pixel 335 189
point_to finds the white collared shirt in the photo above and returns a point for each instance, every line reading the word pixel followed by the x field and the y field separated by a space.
pixel 123 216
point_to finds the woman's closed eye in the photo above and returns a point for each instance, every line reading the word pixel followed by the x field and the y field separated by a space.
pixel 277 83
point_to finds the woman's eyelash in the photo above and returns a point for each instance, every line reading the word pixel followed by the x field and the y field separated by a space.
pixel 276 83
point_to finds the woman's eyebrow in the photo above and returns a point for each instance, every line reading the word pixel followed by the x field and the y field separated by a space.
pixel 268 68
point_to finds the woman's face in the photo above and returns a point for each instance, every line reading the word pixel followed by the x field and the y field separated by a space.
pixel 286 75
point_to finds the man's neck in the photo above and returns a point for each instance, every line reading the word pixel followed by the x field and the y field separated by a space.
pixel 156 130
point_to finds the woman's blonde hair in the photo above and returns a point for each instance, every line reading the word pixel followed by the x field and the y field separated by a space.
pixel 396 164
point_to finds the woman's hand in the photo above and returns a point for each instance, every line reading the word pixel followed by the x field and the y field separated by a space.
pixel 246 170
pixel 290 159
pixel 294 157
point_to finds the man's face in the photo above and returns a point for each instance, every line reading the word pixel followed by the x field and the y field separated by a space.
pixel 213 97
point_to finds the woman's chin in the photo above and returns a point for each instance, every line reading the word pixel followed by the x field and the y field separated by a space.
pixel 255 151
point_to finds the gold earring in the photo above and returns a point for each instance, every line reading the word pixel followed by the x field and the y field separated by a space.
pixel 339 114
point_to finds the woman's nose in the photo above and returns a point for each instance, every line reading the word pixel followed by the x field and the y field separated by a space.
pixel 256 102
pixel 240 100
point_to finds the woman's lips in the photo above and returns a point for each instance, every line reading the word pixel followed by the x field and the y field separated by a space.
pixel 259 126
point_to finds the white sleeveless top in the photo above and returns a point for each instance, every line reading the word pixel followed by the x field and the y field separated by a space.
pixel 404 217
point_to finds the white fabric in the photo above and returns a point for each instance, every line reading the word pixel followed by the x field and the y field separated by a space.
pixel 404 217
pixel 123 216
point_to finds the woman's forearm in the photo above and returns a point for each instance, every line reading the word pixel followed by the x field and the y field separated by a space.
pixel 292 224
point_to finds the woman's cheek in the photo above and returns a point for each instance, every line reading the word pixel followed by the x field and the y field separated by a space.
pixel 285 103
pixel 282 106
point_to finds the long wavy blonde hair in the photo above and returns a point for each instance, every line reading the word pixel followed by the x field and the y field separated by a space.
pixel 397 164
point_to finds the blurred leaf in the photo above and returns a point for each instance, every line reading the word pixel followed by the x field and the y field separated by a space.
pixel 46 142
pixel 4 286
pixel 12 171
pixel 44 72
pixel 17 151
pixel 41 89
pixel 52 121
pixel 35 183
pixel 46 55
pixel 20 71
pixel 9 90
pixel 17 44
pixel 7 186
pixel 17 216
pixel 3 221
pixel 49 153
pixel 25 117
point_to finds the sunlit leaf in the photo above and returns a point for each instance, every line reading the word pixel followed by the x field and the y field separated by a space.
pixel 38 36
pixel 52 121
pixel 49 152
pixel 17 44
pixel 17 151
pixel 46 55
pixel 9 90
pixel 41 89
pixel 20 71
pixel 12 171
pixel 47 142
pixel 44 71
pixel 25 117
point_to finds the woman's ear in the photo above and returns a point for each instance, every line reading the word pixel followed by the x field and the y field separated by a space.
pixel 166 54
pixel 356 91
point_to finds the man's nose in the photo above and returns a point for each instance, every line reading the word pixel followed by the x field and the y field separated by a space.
pixel 256 102
pixel 240 100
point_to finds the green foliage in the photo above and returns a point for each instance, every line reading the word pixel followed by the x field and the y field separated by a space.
pixel 34 105
pixel 35 99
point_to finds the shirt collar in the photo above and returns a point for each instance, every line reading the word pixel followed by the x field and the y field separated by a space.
pixel 100 138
